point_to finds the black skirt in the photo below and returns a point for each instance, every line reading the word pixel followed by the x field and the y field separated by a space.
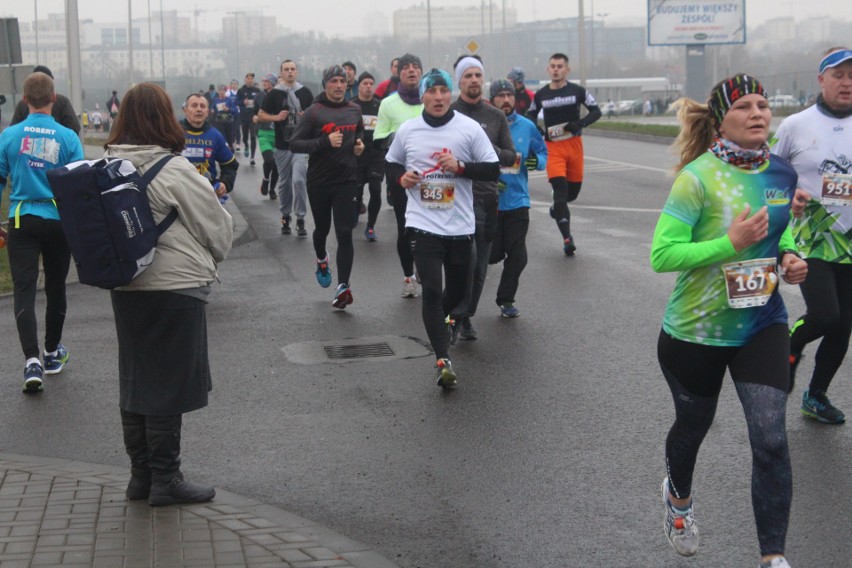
pixel 163 365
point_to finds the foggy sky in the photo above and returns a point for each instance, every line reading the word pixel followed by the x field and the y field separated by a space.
pixel 346 17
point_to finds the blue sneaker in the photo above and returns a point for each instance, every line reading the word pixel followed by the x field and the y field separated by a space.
pixel 816 405
pixel 343 297
pixel 33 378
pixel 508 310
pixel 323 273
pixel 370 233
pixel 54 363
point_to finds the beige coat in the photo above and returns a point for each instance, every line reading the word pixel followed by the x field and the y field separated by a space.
pixel 188 252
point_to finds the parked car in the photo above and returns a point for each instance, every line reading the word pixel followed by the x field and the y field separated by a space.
pixel 777 101
pixel 629 107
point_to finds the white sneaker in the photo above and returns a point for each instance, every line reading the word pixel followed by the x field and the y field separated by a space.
pixel 777 562
pixel 681 530
pixel 409 287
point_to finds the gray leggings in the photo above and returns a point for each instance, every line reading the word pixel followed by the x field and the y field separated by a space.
pixel 694 374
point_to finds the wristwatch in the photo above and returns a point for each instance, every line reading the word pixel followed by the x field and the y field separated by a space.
pixel 461 167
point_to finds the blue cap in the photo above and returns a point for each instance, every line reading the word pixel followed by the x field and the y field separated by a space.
pixel 435 77
pixel 834 59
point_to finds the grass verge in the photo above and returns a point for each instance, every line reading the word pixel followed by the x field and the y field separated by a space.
pixel 5 274
pixel 670 130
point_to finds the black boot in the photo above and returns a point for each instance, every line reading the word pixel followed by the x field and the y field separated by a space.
pixel 136 444
pixel 168 487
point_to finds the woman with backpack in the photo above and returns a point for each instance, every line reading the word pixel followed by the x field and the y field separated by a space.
pixel 160 320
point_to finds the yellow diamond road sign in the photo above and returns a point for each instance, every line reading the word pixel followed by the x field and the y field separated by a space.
pixel 472 45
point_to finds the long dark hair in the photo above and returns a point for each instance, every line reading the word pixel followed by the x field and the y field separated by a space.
pixel 146 116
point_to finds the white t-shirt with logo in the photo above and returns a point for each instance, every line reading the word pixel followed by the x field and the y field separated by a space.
pixel 442 203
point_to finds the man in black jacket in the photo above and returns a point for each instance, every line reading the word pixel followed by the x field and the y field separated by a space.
pixel 63 111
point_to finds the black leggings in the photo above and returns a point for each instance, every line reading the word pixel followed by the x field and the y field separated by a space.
pixel 510 246
pixel 403 239
pixel 38 236
pixel 443 265
pixel 270 170
pixel 564 192
pixel 249 130
pixel 828 297
pixel 760 370
pixel 336 199
pixel 371 170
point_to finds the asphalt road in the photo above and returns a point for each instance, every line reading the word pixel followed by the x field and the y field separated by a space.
pixel 549 454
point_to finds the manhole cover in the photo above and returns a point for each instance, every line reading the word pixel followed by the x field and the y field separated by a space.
pixel 355 349
pixel 358 351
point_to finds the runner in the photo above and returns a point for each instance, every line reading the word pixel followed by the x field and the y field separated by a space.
pixel 282 106
pixel 389 86
pixel 561 102
pixel 371 163
pixel 266 140
pixel 351 84
pixel 27 151
pixel 331 130
pixel 246 96
pixel 396 109
pixel 725 229
pixel 523 96
pixel 513 216
pixel 224 110
pixel 469 78
pixel 205 147
pixel 435 157
pixel 233 87
pixel 817 142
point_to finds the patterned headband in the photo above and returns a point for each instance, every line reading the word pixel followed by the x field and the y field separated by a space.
pixel 729 90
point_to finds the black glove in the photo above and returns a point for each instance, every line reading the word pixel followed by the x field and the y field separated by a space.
pixel 573 127
pixel 531 162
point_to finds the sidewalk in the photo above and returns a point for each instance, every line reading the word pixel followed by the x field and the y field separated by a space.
pixel 56 512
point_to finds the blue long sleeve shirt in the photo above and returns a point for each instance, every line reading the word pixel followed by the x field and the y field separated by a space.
pixel 527 142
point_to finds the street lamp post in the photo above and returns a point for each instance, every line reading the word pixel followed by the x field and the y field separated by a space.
pixel 581 36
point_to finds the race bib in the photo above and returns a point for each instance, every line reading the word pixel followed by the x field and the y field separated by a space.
pixel 437 194
pixel 750 283
pixel 559 132
pixel 514 168
pixel 370 121
pixel 836 189
pixel 248 103
pixel 221 107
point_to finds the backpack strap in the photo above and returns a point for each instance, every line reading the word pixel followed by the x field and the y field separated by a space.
pixel 143 183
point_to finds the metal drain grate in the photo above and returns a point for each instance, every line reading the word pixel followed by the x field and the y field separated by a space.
pixel 358 351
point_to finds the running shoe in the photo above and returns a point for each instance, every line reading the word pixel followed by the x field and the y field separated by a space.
pixel 54 363
pixel 680 529
pixel 33 378
pixel 343 297
pixel 285 226
pixel 409 287
pixel 370 234
pixel 467 329
pixel 453 327
pixel 361 208
pixel 508 310
pixel 569 247
pixel 272 194
pixel 323 273
pixel 264 187
pixel 819 407
pixel 237 148
pixel 777 562
pixel 300 228
pixel 245 152
pixel 252 162
pixel 447 378
pixel 552 212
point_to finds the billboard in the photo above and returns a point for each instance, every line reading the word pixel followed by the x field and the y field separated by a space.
pixel 687 22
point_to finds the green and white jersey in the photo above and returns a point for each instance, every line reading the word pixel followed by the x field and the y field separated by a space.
pixel 819 147
pixel 707 195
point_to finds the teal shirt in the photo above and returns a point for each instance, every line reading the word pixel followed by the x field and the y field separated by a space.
pixel 706 197
pixel 27 151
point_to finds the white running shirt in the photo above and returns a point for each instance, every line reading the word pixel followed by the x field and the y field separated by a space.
pixel 417 146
